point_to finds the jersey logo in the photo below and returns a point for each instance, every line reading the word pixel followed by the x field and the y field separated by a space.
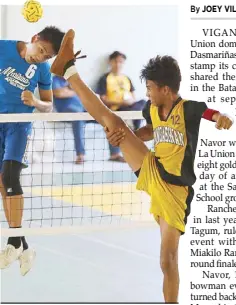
pixel 17 79
pixel 165 134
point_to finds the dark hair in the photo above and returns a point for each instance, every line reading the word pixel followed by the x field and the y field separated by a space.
pixel 116 54
pixel 164 71
pixel 53 35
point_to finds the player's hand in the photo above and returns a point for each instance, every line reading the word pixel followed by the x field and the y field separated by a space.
pixel 223 122
pixel 115 137
pixel 28 98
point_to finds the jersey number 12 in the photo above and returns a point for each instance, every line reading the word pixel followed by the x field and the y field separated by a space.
pixel 175 119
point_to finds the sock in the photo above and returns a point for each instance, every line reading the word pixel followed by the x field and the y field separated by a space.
pixel 25 245
pixel 70 71
pixel 14 241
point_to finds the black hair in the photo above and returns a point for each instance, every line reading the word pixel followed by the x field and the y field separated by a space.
pixel 53 35
pixel 164 71
pixel 116 54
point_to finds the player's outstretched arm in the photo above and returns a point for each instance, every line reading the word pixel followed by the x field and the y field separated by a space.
pixel 223 121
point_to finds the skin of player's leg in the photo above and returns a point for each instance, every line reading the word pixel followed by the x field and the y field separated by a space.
pixel 13 207
pixel 133 149
pixel 4 195
pixel 169 261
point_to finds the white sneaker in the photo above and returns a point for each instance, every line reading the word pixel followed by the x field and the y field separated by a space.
pixel 26 261
pixel 9 255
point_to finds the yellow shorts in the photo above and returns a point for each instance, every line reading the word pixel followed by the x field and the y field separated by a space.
pixel 168 201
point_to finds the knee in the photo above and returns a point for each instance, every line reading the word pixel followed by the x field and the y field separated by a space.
pixel 11 178
pixel 169 262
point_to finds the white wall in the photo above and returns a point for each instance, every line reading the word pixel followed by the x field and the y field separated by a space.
pixel 141 32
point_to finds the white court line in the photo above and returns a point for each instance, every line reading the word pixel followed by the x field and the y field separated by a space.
pixel 95 240
pixel 110 245
pixel 60 230
pixel 120 248
pixel 68 256
pixel 100 267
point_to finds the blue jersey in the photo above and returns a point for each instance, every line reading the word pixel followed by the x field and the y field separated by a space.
pixel 16 75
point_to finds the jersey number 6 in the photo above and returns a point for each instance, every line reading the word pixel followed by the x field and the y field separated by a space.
pixel 31 71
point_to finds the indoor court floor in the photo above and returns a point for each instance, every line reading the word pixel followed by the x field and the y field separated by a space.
pixel 108 266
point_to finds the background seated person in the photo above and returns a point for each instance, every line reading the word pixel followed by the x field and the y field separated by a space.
pixel 117 92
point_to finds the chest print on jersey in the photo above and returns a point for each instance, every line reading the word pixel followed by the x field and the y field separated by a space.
pixel 165 134
pixel 16 79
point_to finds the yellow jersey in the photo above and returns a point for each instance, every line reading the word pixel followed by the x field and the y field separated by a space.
pixel 175 140
pixel 117 88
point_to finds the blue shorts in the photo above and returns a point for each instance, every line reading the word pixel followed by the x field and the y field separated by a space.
pixel 14 139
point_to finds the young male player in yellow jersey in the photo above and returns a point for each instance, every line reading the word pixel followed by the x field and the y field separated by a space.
pixel 166 175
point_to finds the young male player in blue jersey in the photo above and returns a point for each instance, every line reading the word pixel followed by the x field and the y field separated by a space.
pixel 23 67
